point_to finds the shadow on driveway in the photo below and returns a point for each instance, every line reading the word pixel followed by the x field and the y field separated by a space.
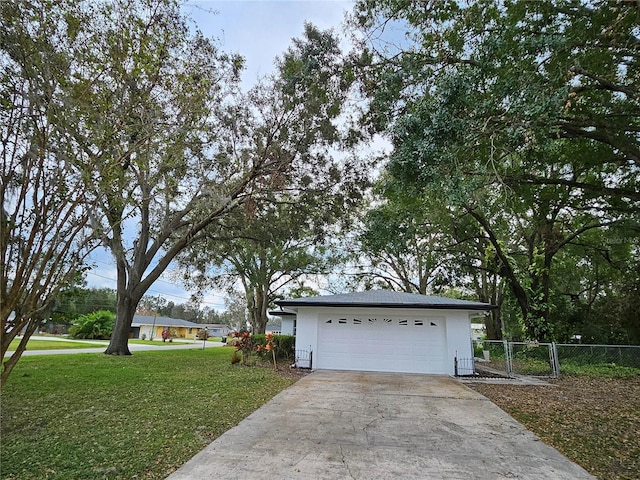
pixel 365 425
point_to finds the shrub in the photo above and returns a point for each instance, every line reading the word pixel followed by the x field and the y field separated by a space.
pixel 203 334
pixel 269 348
pixel 284 345
pixel 235 357
pixel 97 325
pixel 244 344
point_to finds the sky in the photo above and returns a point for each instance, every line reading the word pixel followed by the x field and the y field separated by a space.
pixel 259 30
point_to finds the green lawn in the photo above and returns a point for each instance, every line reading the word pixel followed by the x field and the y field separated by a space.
pixel 96 416
pixel 160 343
pixel 37 344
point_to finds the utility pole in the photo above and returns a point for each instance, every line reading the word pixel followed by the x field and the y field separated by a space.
pixel 155 314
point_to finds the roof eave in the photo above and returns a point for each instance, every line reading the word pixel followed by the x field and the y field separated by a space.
pixel 444 306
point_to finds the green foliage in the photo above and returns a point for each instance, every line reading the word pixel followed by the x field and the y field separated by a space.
pixel 523 119
pixel 97 325
pixel 82 301
pixel 284 345
pixel 283 233
pixel 140 105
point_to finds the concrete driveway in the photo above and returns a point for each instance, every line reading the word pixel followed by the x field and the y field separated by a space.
pixel 360 425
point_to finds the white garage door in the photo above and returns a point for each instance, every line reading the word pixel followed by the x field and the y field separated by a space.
pixel 382 344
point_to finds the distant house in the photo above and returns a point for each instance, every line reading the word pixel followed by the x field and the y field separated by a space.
pixel 216 329
pixel 478 331
pixel 151 327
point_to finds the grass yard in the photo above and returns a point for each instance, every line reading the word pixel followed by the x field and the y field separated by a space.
pixel 42 344
pixel 36 343
pixel 593 419
pixel 97 416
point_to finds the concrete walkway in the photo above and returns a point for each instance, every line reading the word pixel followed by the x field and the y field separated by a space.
pixel 357 425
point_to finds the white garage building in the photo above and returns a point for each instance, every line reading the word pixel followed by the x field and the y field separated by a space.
pixel 384 331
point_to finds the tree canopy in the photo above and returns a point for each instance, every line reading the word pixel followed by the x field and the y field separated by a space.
pixel 523 117
pixel 44 234
pixel 280 237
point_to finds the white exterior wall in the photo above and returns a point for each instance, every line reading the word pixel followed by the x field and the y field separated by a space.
pixel 457 324
pixel 306 332
pixel 286 326
pixel 146 331
pixel 458 336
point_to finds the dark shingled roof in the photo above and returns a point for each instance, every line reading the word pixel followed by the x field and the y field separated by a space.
pixel 384 298
pixel 139 320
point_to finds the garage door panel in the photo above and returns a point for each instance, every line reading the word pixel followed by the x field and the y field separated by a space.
pixel 402 344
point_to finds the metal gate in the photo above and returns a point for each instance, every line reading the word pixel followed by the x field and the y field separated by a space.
pixel 519 358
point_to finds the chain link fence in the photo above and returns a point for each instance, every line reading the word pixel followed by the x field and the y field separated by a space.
pixel 580 355
pixel 502 358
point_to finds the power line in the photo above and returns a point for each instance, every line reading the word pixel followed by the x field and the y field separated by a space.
pixel 164 294
pixel 110 264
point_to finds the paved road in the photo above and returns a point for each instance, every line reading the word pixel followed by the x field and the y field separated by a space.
pixel 368 426
pixel 134 347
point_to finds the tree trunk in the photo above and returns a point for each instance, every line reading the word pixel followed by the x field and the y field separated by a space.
pixel 261 318
pixel 11 361
pixel 493 325
pixel 538 322
pixel 119 343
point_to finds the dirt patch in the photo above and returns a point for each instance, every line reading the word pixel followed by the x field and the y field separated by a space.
pixel 286 371
pixel 283 368
pixel 593 421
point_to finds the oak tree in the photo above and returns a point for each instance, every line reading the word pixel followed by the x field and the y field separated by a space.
pixel 522 115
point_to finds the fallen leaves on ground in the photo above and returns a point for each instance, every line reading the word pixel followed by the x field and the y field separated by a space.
pixel 593 421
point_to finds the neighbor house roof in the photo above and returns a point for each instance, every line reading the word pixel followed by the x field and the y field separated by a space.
pixel 384 298
pixel 139 320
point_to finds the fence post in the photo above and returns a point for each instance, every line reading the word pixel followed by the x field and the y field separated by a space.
pixel 507 358
pixel 555 360
pixel 473 357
